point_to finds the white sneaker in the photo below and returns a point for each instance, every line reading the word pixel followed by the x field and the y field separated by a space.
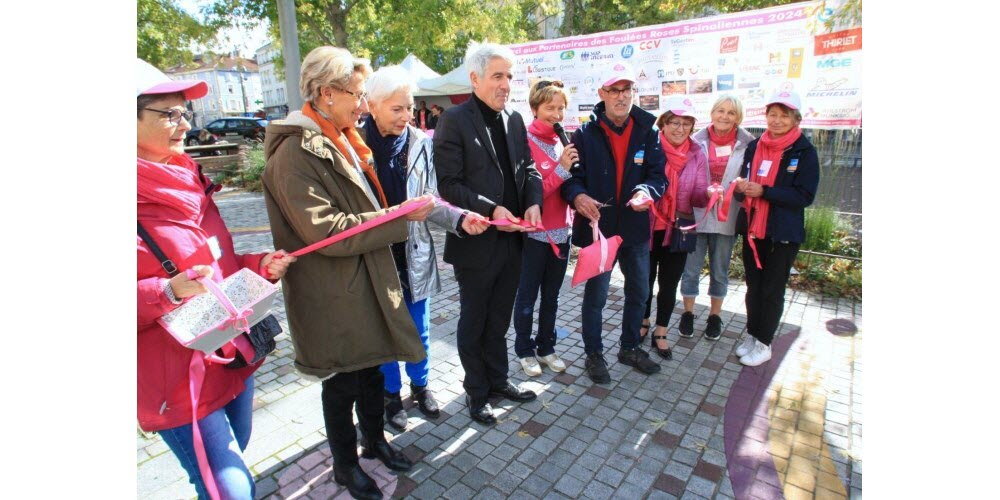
pixel 757 356
pixel 746 345
pixel 553 362
pixel 531 366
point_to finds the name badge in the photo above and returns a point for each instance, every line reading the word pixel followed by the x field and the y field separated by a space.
pixel 723 150
pixel 213 245
pixel 793 165
pixel 765 167
pixel 639 157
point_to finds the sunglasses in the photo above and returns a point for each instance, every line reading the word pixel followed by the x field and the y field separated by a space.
pixel 545 83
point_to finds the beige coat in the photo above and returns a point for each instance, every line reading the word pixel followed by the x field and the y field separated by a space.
pixel 344 302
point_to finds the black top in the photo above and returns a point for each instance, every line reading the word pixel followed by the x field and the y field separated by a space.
pixel 498 135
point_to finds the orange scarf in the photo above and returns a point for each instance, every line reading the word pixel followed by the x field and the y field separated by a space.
pixel 345 139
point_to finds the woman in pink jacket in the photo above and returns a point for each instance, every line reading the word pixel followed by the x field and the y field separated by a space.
pixel 540 267
pixel 687 187
pixel 174 206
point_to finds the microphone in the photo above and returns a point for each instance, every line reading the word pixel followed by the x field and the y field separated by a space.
pixel 558 128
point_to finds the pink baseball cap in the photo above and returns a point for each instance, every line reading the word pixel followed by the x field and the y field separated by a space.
pixel 786 97
pixel 149 80
pixel 622 72
pixel 680 105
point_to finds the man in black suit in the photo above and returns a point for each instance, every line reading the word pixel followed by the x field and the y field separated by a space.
pixel 484 165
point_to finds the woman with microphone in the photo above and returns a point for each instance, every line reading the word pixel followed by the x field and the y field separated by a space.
pixel 540 267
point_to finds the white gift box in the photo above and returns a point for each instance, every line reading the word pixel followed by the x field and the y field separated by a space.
pixel 204 323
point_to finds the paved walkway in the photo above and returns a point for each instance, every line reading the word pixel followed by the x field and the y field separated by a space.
pixel 705 427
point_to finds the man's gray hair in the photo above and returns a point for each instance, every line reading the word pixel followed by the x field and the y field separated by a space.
pixel 387 81
pixel 329 66
pixel 478 56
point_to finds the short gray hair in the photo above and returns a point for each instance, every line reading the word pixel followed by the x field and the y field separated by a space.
pixel 388 80
pixel 478 56
pixel 329 66
pixel 731 99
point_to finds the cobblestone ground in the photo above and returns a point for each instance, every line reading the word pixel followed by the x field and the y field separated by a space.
pixel 705 427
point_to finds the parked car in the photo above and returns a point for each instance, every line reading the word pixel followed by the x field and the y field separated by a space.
pixel 230 128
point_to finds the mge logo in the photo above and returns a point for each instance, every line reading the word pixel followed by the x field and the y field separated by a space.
pixel 834 62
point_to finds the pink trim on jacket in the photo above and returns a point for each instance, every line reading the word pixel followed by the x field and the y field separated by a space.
pixel 556 213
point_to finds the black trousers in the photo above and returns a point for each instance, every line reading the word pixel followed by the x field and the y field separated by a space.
pixel 340 393
pixel 486 298
pixel 665 267
pixel 766 286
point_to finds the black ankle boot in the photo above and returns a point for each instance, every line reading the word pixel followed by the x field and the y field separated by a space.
pixel 394 412
pixel 425 401
pixel 358 484
pixel 382 450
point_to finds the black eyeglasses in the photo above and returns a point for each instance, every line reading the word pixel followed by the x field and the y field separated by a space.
pixel 545 83
pixel 615 92
pixel 357 95
pixel 173 115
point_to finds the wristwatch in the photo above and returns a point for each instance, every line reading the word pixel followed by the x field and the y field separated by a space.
pixel 169 292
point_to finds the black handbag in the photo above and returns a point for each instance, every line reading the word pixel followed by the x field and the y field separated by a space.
pixel 261 335
pixel 683 241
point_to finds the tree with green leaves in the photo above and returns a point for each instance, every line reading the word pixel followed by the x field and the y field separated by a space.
pixel 166 33
pixel 437 31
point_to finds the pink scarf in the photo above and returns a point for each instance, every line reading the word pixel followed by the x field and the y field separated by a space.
pixel 174 186
pixel 543 131
pixel 758 209
pixel 676 159
pixel 717 164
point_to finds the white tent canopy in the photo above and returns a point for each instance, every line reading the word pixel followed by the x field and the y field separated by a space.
pixel 454 82
pixel 417 68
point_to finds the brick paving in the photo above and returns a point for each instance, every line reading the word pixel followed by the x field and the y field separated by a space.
pixel 705 427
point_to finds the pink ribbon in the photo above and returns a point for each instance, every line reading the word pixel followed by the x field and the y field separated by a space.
pixel 507 222
pixel 196 376
pixel 364 226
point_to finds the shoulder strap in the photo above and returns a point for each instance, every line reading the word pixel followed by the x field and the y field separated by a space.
pixel 168 265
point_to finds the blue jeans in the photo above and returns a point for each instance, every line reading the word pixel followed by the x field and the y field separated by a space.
pixel 540 268
pixel 634 263
pixel 418 372
pixel 719 248
pixel 220 431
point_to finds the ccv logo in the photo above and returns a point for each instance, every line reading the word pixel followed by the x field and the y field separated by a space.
pixel 627 51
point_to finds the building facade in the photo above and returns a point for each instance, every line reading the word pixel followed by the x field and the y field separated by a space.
pixel 234 87
pixel 272 87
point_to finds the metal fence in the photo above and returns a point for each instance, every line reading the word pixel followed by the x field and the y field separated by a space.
pixel 840 170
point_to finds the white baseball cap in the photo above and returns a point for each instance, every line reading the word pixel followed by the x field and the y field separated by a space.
pixel 149 80
pixel 786 97
pixel 680 105
pixel 621 72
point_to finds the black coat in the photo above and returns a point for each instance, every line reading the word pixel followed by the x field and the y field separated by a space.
pixel 596 176
pixel 794 189
pixel 470 177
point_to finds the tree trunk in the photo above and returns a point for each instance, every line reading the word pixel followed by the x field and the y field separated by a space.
pixel 569 14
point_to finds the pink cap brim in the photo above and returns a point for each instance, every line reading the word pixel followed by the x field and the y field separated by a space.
pixel 616 80
pixel 192 89
pixel 788 104
pixel 680 112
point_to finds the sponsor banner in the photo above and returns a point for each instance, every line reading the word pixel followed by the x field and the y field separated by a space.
pixel 747 54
